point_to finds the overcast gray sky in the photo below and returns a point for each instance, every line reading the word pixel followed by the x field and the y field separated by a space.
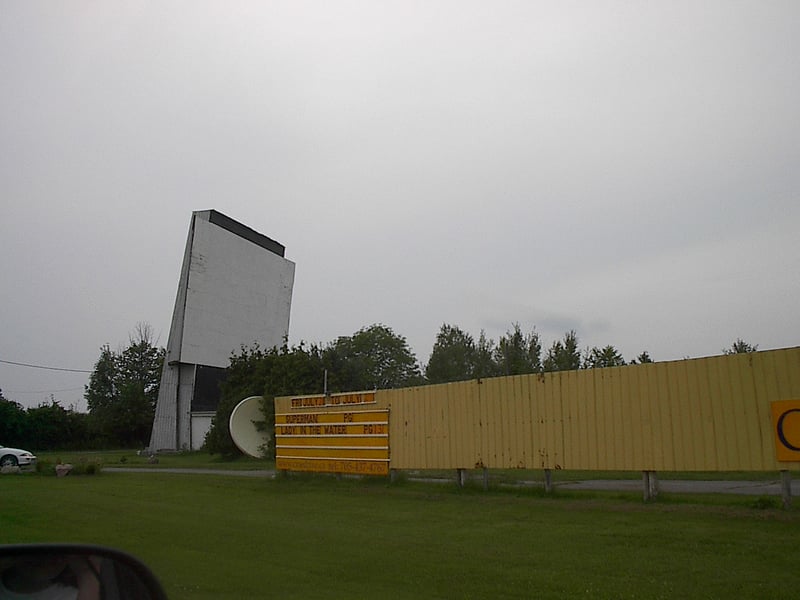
pixel 629 170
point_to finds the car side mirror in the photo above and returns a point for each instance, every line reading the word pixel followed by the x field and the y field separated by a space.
pixel 75 571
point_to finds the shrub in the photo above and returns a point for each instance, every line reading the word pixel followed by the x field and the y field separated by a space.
pixel 86 467
pixel 765 502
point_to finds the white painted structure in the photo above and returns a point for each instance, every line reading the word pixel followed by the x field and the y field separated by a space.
pixel 235 290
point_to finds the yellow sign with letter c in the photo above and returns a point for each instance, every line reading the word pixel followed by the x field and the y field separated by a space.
pixel 786 427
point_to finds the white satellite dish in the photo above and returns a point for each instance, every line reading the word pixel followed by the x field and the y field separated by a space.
pixel 245 435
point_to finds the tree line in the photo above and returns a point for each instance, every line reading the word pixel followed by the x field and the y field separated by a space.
pixel 49 426
pixel 457 356
pixel 121 397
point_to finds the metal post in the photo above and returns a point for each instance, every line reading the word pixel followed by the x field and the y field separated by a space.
pixel 461 477
pixel 485 479
pixel 548 480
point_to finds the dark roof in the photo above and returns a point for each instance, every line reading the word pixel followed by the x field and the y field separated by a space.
pixel 243 231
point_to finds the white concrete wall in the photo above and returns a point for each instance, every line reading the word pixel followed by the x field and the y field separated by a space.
pixel 201 424
pixel 165 431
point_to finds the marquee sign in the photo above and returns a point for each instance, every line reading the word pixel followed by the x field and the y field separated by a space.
pixel 333 441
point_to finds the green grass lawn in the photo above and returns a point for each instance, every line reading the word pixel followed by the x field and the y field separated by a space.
pixel 318 537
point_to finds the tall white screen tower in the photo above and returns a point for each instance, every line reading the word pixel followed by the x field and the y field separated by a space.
pixel 235 290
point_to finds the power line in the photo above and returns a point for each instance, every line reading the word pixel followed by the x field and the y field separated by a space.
pixel 19 364
pixel 41 391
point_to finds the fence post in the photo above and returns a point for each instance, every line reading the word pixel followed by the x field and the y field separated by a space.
pixel 548 480
pixel 650 485
pixel 461 477
pixel 786 489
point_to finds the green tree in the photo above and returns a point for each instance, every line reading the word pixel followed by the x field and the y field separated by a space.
pixel 563 355
pixel 453 357
pixel 13 425
pixel 518 354
pixel 642 359
pixel 740 347
pixel 102 390
pixel 53 427
pixel 140 365
pixel 374 357
pixel 597 358
pixel 123 390
pixel 485 351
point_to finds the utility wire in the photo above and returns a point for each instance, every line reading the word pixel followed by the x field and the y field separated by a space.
pixel 41 391
pixel 19 364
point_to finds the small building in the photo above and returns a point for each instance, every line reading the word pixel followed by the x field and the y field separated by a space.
pixel 235 290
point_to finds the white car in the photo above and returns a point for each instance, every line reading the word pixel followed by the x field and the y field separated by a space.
pixel 14 457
